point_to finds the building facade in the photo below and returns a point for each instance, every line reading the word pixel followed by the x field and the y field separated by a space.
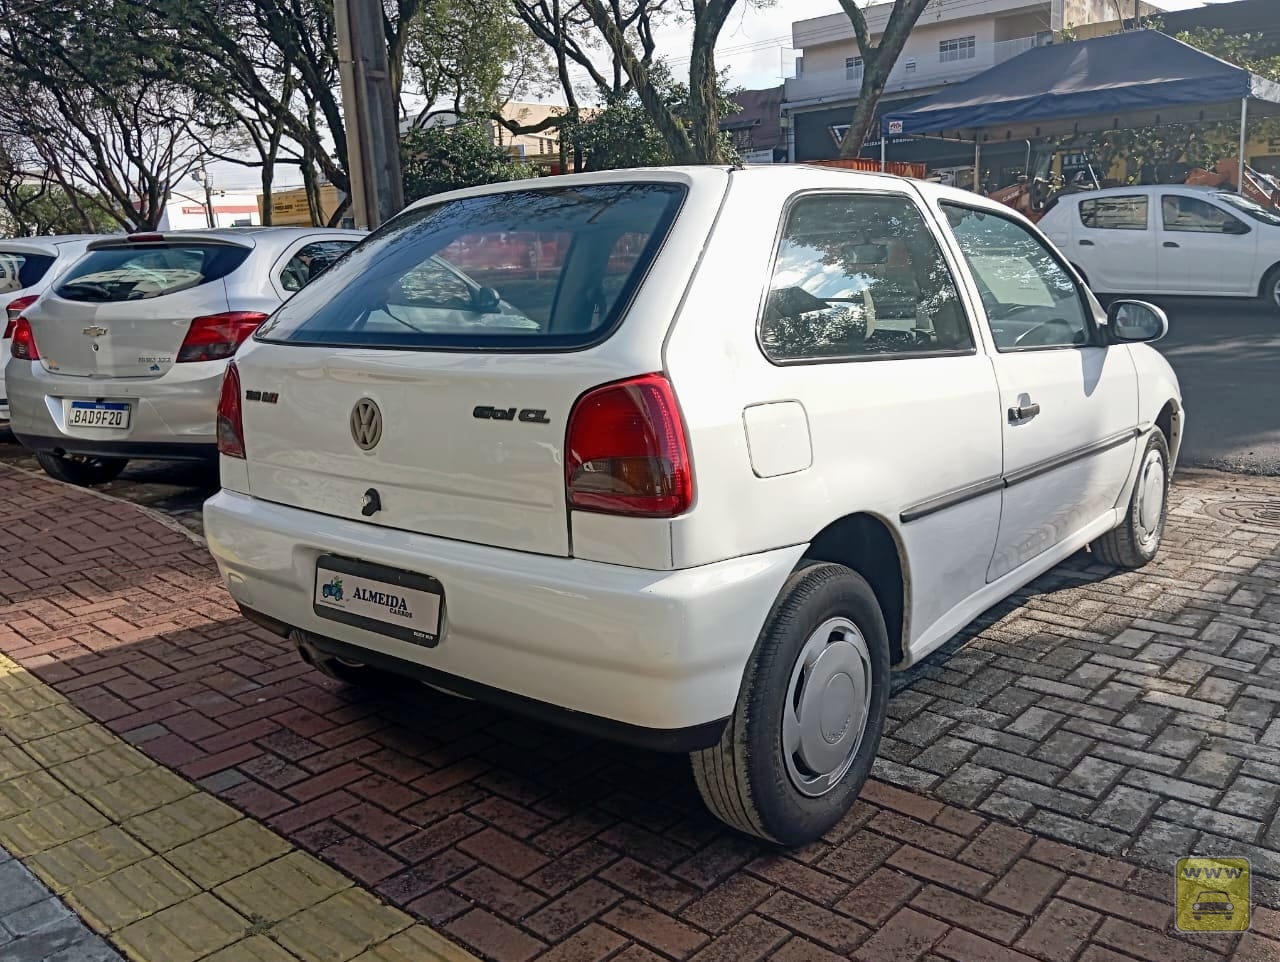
pixel 952 41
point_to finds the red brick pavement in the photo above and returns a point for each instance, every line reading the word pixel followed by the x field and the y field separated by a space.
pixel 517 840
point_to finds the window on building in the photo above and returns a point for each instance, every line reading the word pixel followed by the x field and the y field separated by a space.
pixel 959 48
pixel 853 68
pixel 1115 213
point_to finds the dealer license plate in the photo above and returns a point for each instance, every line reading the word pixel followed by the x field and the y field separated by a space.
pixel 97 414
pixel 402 604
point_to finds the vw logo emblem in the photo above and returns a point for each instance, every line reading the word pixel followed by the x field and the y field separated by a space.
pixel 366 424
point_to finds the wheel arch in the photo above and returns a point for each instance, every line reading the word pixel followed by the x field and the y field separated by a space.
pixel 1267 275
pixel 1169 421
pixel 869 545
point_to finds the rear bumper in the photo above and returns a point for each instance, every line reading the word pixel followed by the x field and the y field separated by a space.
pixel 171 417
pixel 649 657
pixel 121 449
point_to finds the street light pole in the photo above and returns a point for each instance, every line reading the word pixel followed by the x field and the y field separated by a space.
pixel 373 135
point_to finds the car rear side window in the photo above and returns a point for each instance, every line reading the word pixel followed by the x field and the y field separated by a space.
pixel 137 272
pixel 1115 213
pixel 522 270
pixel 19 269
pixel 860 276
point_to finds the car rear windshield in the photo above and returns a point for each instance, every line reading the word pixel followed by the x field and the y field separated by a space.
pixel 139 271
pixel 537 269
pixel 19 269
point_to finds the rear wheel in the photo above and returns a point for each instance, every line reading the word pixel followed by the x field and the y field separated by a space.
pixel 1135 541
pixel 80 470
pixel 807 724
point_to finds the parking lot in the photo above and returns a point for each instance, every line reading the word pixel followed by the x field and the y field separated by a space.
pixel 1037 779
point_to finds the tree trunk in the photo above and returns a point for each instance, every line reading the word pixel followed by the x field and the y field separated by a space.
pixel 704 115
pixel 267 177
pixel 878 61
pixel 864 116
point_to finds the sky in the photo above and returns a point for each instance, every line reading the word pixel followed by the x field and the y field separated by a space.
pixel 754 45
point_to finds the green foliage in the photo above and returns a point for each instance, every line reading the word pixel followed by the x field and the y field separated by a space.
pixel 439 158
pixel 34 209
pixel 475 56
pixel 622 133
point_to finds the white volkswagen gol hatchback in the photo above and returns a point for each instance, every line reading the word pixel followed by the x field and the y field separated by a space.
pixel 687 458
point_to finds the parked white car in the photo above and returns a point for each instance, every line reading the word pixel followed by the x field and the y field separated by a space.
pixel 123 356
pixel 28 265
pixel 1195 241
pixel 750 438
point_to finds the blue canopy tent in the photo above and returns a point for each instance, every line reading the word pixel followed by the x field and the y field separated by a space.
pixel 1137 79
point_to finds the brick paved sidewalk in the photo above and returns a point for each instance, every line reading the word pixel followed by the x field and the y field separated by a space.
pixel 519 841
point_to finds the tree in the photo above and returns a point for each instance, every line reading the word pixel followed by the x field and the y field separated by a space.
pixel 438 158
pixel 623 133
pixel 878 61
pixel 101 121
pixel 576 29
pixel 470 57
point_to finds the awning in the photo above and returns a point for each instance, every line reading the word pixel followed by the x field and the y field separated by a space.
pixel 1138 79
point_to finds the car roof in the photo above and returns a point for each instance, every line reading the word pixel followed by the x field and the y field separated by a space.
pixel 811 176
pixel 1144 190
pixel 269 240
pixel 50 246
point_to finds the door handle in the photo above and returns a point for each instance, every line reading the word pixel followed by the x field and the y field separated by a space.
pixel 1086 243
pixel 1023 412
pixel 1171 244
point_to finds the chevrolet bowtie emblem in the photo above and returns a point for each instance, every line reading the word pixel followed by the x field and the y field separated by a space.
pixel 94 331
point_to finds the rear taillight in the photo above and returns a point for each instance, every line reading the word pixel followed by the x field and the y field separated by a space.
pixel 14 311
pixel 24 342
pixel 230 415
pixel 217 336
pixel 626 451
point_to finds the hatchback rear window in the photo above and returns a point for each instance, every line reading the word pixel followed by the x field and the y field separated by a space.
pixel 524 270
pixel 141 271
pixel 19 269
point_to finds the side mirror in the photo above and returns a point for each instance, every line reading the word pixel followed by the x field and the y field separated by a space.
pixel 1132 322
pixel 1237 227
pixel 487 301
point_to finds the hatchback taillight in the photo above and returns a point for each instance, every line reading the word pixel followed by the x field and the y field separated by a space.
pixel 230 415
pixel 24 342
pixel 14 311
pixel 217 336
pixel 626 451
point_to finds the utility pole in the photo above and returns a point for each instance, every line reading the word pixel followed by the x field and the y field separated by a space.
pixel 201 176
pixel 373 135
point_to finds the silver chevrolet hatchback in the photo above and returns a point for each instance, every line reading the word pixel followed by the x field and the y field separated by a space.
pixel 123 357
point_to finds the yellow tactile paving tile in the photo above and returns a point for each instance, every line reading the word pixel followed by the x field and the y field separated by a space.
pixel 165 871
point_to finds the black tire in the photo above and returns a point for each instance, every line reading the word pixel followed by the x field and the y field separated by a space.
pixel 1130 544
pixel 83 471
pixel 745 780
pixel 1271 289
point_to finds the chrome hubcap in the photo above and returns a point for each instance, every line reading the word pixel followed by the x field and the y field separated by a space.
pixel 1275 293
pixel 1150 499
pixel 828 703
